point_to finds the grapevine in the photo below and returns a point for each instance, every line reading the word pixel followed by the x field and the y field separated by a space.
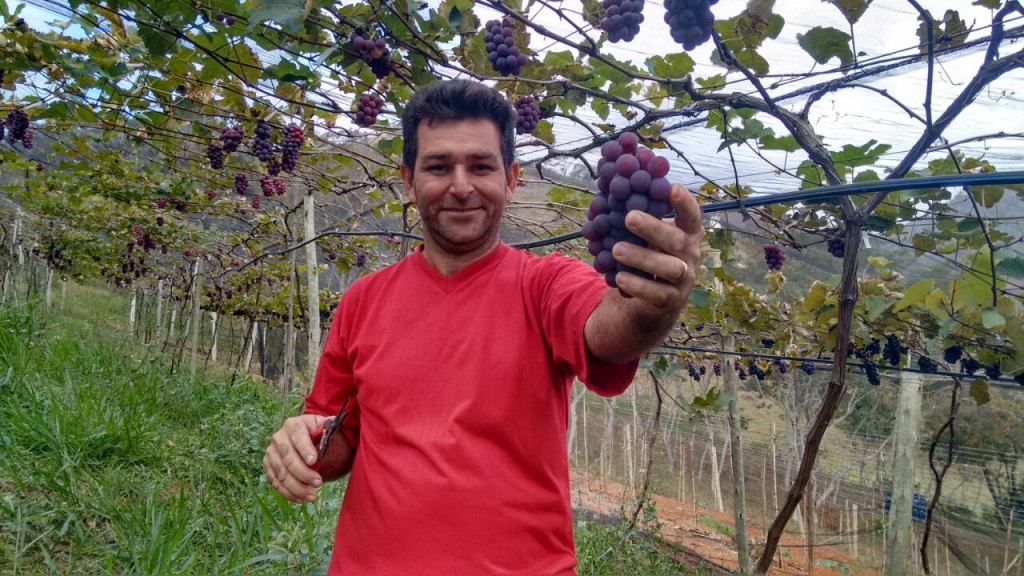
pixel 630 178
pixel 622 19
pixel 505 57
pixel 527 114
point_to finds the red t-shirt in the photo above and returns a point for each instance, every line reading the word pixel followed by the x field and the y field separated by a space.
pixel 461 411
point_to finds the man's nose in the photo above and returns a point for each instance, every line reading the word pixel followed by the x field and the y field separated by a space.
pixel 461 185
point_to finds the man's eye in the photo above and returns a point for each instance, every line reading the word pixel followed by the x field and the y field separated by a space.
pixel 437 168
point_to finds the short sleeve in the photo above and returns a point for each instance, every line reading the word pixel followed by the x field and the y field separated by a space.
pixel 334 381
pixel 570 291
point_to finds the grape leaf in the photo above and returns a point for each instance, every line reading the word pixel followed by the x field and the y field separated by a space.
pixel 991 318
pixel 991 4
pixel 671 65
pixel 852 9
pixel 823 44
pixel 1013 267
pixel 287 13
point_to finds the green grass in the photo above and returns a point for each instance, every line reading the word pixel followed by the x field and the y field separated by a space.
pixel 111 464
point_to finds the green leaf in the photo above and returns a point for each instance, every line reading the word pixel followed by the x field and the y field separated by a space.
pixel 600 107
pixel 990 4
pixel 968 225
pixel 545 131
pixel 772 142
pixel 852 9
pixel 1012 267
pixel 914 294
pixel 157 43
pixel 875 305
pixel 699 297
pixel 287 13
pixel 674 65
pixel 991 318
pixel 979 391
pixel 823 44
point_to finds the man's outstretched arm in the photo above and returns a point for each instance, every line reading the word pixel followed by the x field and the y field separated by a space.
pixel 624 328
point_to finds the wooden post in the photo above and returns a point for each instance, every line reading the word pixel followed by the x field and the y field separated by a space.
pixel 252 340
pixel 312 289
pixel 899 535
pixel 172 325
pixel 159 308
pixel 49 284
pixel 775 474
pixel 213 333
pixel 739 482
pixel 131 312
pixel 197 287
pixel 854 518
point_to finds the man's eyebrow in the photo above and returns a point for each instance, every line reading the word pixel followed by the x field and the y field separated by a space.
pixel 442 156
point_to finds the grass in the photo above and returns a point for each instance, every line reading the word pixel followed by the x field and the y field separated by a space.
pixel 110 464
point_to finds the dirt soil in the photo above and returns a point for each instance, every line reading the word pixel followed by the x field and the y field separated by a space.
pixel 681 525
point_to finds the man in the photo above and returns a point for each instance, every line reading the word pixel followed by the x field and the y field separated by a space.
pixel 457 363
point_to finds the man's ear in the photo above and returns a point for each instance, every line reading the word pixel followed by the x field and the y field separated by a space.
pixel 512 179
pixel 410 190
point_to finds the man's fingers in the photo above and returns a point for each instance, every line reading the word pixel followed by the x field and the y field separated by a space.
pixel 289 456
pixel 689 218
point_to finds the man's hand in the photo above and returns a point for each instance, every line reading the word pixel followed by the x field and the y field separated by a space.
pixel 636 317
pixel 289 458
pixel 672 254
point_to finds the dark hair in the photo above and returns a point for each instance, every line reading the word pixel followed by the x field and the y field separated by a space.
pixel 456 100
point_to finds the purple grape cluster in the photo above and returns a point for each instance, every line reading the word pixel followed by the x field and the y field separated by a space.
pixel 926 364
pixel 953 354
pixel 893 351
pixel 756 370
pixel 360 259
pixel 231 138
pixel 781 365
pixel 837 247
pixel 622 19
pixel 690 21
pixel 368 109
pixel 256 202
pixel 501 47
pixel 774 257
pixel 871 371
pixel 807 368
pixel 241 183
pixel 262 147
pixel 274 166
pixel 527 114
pixel 17 125
pixel 630 177
pixel 271 186
pixel 293 139
pixel 26 139
pixel 215 154
pixel 373 52
pixel 717 368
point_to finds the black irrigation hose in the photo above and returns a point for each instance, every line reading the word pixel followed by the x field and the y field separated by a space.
pixel 828 192
pixel 1001 382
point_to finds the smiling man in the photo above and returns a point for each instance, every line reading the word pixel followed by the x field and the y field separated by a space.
pixel 457 362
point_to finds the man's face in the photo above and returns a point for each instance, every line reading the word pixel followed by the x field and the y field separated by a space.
pixel 460 183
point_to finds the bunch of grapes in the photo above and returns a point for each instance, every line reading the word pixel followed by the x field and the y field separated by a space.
pixel 756 370
pixel 926 364
pixel 698 327
pixel 893 350
pixel 231 138
pixel 871 348
pixel 256 202
pixel 159 220
pixel 993 371
pixel 690 21
pixel 262 147
pixel 373 52
pixel 871 371
pixel 267 185
pixel 274 166
pixel 241 183
pixel 741 372
pixel 622 19
pixel 278 186
pixel 224 18
pixel 774 257
pixel 26 139
pixel 501 48
pixel 781 365
pixel 216 155
pixel 360 259
pixel 630 178
pixel 837 247
pixel 17 125
pixel 953 354
pixel 693 372
pixel 368 109
pixel 527 114
pixel 293 139
pixel 768 342
pixel 717 368
pixel 807 368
